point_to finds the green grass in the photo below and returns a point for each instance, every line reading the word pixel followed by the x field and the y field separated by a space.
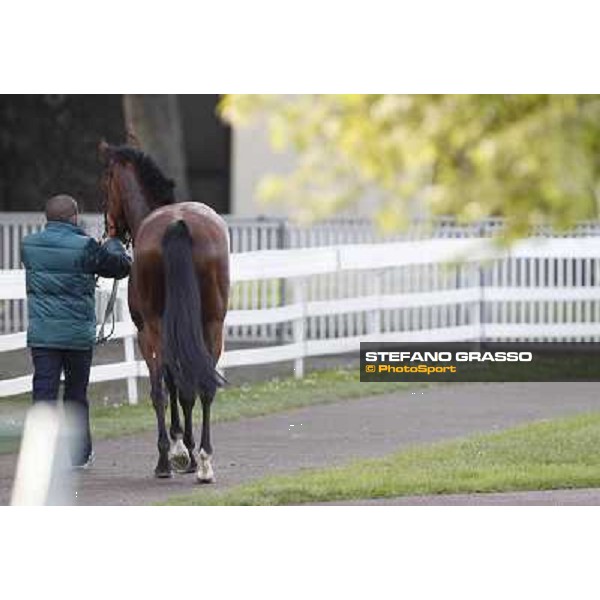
pixel 563 453
pixel 318 387
pixel 9 442
pixel 12 411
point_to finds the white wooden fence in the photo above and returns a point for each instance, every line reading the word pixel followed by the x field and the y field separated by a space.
pixel 246 234
pixel 543 289
pixel 255 234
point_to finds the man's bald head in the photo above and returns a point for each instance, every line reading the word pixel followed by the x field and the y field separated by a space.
pixel 62 208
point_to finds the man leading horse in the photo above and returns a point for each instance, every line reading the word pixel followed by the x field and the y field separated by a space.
pixel 61 263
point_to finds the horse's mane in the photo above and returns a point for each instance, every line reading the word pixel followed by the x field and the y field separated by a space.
pixel 160 189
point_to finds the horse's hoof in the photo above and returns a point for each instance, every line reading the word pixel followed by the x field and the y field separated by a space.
pixel 163 472
pixel 179 457
pixel 205 471
pixel 191 468
pixel 179 465
pixel 205 480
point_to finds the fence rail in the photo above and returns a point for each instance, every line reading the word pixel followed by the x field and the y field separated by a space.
pixel 542 289
pixel 258 234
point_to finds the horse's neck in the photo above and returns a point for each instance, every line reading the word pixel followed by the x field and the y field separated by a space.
pixel 135 205
pixel 136 210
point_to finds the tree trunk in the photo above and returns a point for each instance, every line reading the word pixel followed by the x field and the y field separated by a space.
pixel 156 122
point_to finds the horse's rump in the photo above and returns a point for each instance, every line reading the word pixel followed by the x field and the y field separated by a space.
pixel 210 253
pixel 185 353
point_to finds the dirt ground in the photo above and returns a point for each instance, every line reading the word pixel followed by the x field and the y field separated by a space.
pixel 331 434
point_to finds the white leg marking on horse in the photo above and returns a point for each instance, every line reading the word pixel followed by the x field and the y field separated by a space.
pixel 179 455
pixel 205 472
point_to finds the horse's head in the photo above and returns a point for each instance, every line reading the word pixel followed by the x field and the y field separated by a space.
pixel 130 176
pixel 115 221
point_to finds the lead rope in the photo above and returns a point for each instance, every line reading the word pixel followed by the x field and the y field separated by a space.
pixel 108 313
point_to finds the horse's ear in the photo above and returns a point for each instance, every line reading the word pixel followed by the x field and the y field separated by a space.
pixel 132 138
pixel 103 148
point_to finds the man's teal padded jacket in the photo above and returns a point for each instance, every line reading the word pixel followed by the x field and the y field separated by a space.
pixel 61 262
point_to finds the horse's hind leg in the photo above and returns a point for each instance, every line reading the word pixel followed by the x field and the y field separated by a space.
pixel 214 342
pixel 148 348
pixel 175 430
pixel 178 453
pixel 187 404
pixel 205 471
pixel 163 467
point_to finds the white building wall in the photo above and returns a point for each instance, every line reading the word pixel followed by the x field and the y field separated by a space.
pixel 252 158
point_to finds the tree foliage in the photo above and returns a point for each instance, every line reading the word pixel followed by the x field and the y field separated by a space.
pixel 529 158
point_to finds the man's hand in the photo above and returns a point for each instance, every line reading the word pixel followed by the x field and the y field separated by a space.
pixel 108 259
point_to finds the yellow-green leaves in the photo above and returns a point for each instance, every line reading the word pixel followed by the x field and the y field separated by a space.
pixel 525 157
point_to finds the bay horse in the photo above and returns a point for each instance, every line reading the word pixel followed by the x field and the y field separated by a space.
pixel 178 296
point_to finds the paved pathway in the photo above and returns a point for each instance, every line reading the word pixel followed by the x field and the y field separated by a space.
pixel 326 435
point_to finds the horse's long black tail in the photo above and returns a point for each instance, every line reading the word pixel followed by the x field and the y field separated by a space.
pixel 184 351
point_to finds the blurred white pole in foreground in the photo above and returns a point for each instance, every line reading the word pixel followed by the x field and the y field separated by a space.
pixel 39 478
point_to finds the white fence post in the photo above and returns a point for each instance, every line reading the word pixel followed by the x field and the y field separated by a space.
pixel 374 316
pixel 299 325
pixel 129 346
pixel 475 280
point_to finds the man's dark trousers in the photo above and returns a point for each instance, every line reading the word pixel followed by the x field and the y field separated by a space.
pixel 48 364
